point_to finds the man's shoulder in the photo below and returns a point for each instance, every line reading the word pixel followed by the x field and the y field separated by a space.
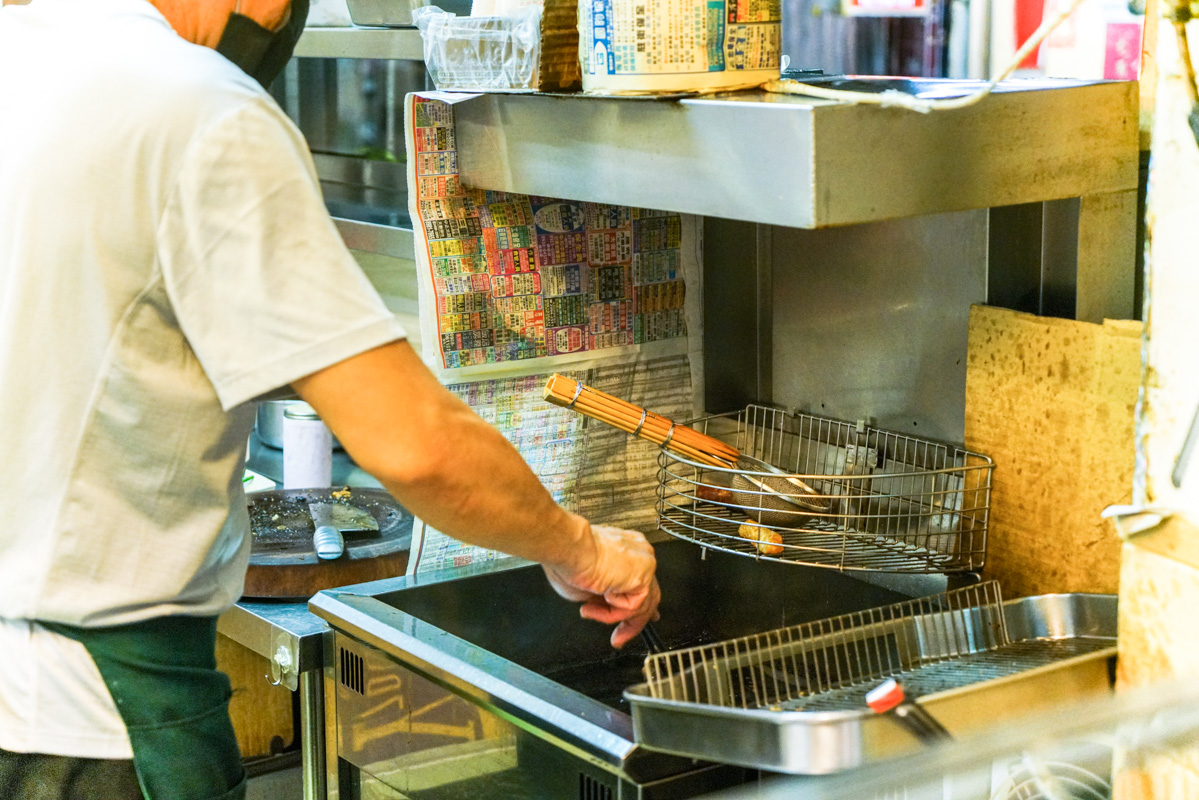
pixel 198 82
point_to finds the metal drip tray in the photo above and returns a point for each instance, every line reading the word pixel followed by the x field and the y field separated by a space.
pixel 748 706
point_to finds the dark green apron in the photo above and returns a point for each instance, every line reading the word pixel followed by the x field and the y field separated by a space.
pixel 175 704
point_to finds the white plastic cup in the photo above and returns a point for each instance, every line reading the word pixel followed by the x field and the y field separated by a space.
pixel 307 449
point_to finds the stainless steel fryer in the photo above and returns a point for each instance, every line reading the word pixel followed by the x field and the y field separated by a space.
pixel 484 679
pixel 793 699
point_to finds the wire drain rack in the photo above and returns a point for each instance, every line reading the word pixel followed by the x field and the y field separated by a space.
pixel 834 661
pixel 844 496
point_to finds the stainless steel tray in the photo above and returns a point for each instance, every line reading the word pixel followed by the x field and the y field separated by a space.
pixel 1057 649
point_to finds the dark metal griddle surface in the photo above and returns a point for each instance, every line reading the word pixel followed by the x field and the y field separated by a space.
pixel 516 615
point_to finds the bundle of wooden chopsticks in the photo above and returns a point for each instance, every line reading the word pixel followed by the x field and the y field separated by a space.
pixel 680 439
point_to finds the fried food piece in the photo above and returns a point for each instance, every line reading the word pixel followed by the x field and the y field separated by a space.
pixel 341 494
pixel 713 494
pixel 768 542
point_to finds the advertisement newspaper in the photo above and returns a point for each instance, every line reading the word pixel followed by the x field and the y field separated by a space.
pixel 513 288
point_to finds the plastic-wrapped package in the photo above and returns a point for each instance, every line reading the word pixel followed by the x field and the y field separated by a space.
pixel 481 53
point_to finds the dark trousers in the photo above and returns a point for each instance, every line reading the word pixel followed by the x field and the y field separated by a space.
pixel 31 776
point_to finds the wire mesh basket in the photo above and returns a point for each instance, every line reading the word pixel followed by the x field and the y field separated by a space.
pixel 825 493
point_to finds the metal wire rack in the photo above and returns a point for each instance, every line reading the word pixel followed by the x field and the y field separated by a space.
pixel 845 496
pixel 936 643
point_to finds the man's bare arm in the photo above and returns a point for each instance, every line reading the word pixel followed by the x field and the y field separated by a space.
pixel 457 473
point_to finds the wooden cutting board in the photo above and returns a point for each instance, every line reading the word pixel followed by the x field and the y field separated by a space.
pixel 283 563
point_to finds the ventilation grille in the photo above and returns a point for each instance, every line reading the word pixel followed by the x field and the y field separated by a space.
pixel 591 789
pixel 353 672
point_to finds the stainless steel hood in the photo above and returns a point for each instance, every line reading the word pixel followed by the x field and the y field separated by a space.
pixel 803 162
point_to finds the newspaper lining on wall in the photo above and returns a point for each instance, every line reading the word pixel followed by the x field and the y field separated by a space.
pixel 514 288
pixel 591 468
pixel 508 278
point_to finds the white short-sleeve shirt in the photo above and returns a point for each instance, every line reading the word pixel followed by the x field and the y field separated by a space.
pixel 165 258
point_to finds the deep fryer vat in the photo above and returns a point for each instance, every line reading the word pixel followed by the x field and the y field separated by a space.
pixel 515 614
pixel 502 640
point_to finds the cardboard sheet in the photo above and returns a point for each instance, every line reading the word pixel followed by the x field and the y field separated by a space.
pixel 1052 402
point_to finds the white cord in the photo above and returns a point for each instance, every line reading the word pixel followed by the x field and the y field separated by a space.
pixel 895 99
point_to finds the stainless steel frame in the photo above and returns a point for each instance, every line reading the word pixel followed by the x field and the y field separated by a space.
pixel 292 640
pixel 1066 148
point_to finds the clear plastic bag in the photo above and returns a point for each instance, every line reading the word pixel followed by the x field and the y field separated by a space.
pixel 481 53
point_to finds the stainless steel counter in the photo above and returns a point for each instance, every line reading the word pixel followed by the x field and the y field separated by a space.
pixel 285 634
pixel 517 671
pixel 293 641
pixel 803 162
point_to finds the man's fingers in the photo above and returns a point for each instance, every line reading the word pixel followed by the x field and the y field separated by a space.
pixel 603 613
pixel 628 630
pixel 628 600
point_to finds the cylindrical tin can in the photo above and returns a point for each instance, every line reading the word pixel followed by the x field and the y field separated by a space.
pixel 307 449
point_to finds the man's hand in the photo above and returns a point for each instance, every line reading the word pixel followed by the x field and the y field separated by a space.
pixel 613 578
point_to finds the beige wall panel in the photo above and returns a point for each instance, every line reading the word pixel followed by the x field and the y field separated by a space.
pixel 1052 402
pixel 1159 600
pixel 1159 590
pixel 1173 776
pixel 1172 283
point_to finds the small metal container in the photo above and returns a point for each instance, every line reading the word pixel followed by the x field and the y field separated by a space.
pixel 269 423
pixel 307 449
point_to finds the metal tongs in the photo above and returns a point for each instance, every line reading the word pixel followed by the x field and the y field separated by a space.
pixel 890 697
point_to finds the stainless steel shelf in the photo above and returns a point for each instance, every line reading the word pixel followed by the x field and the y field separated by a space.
pixel 386 43
pixel 802 162
pixel 371 238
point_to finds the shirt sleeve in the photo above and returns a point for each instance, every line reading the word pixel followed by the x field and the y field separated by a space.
pixel 261 284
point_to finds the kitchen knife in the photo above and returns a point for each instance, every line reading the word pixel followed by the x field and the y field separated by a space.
pixel 327 540
pixel 352 519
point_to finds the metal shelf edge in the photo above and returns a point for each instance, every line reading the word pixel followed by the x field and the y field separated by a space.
pixel 372 238
pixel 385 43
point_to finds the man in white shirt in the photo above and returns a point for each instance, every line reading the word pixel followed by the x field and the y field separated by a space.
pixel 165 259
